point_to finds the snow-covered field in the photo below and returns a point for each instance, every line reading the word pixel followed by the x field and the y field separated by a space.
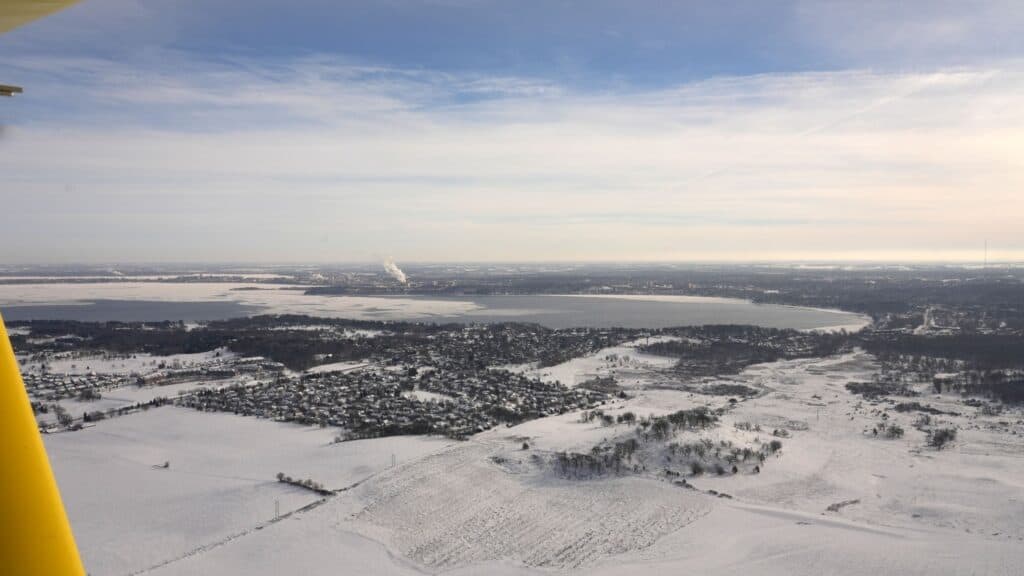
pixel 128 396
pixel 337 367
pixel 141 363
pixel 628 365
pixel 488 506
pixel 459 507
pixel 129 516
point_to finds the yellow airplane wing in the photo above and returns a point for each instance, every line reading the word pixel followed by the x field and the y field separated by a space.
pixel 14 13
pixel 35 537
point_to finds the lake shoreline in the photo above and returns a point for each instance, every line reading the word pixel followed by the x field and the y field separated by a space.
pixel 143 302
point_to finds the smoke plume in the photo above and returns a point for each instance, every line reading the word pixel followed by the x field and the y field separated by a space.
pixel 391 268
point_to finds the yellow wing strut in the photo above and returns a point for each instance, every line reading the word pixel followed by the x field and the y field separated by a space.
pixel 35 537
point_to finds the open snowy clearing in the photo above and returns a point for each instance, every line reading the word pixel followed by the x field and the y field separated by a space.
pixel 128 396
pixel 337 367
pixel 460 507
pixel 427 396
pixel 628 365
pixel 129 516
pixel 141 363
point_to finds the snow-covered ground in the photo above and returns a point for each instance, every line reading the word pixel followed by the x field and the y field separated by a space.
pixel 628 365
pixel 129 516
pixel 347 332
pixel 488 506
pixel 337 367
pixel 849 327
pixel 459 507
pixel 128 396
pixel 427 396
pixel 141 363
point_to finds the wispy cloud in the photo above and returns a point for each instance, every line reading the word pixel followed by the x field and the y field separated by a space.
pixel 301 159
pixel 912 33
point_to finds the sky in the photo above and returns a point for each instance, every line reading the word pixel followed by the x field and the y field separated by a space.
pixel 486 130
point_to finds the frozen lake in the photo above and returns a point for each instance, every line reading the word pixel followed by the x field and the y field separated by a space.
pixel 649 312
pixel 202 302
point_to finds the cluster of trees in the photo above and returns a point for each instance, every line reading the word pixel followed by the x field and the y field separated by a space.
pixel 598 463
pixel 888 430
pixel 87 394
pixel 663 427
pixel 598 414
pixel 918 407
pixel 306 483
pixel 282 339
pixel 979 351
pixel 160 338
pixel 721 458
pixel 728 349
pixel 723 389
pixel 941 437
pixel 1007 387
pixel 657 427
pixel 602 460
pixel 606 384
pixel 94 416
pixel 880 389
pixel 885 292
pixel 64 418
pixel 631 455
pixel 991 366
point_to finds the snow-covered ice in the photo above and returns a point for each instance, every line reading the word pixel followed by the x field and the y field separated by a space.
pixel 270 299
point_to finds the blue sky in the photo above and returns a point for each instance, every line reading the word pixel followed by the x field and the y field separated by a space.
pixel 486 130
pixel 589 43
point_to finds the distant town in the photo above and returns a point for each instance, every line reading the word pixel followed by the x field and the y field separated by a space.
pixel 961 327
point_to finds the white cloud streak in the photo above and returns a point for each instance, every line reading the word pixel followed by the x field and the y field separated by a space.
pixel 302 160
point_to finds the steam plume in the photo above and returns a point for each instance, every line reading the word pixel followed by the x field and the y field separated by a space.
pixel 391 268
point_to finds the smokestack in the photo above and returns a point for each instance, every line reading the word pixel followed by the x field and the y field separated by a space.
pixel 391 268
